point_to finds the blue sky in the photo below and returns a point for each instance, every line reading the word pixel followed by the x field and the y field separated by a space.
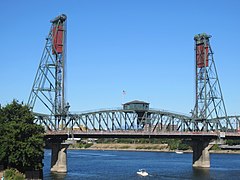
pixel 144 47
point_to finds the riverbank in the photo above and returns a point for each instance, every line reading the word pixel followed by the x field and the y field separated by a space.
pixel 125 146
pixel 146 147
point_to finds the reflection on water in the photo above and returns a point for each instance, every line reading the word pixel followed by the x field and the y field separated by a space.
pixel 58 175
pixel 201 173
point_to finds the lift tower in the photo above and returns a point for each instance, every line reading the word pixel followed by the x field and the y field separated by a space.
pixel 209 109
pixel 48 87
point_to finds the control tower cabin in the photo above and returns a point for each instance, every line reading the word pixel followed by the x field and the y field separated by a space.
pixel 140 107
pixel 136 105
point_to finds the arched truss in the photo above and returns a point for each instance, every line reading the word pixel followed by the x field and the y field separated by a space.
pixel 125 120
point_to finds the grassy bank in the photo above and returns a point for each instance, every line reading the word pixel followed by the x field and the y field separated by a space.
pixel 145 147
pixel 123 146
pixel 163 145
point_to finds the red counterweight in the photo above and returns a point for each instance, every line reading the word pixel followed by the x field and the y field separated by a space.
pixel 200 54
pixel 57 33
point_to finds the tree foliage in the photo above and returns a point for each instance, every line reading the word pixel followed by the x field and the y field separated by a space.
pixel 13 174
pixel 232 142
pixel 21 140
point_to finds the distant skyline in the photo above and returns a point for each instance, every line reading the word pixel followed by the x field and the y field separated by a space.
pixel 143 48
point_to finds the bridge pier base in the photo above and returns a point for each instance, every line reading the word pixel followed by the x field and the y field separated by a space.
pixel 201 158
pixel 59 157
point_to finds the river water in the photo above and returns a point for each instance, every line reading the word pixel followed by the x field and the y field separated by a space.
pixel 123 165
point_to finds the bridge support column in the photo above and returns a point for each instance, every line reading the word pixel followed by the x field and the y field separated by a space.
pixel 201 156
pixel 59 157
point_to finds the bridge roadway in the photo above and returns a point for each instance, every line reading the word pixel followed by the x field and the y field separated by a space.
pixel 140 134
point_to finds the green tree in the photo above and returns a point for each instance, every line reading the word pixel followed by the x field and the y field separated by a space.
pixel 232 142
pixel 21 140
pixel 13 174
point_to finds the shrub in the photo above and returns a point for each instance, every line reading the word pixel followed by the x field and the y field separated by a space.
pixel 13 174
pixel 215 147
pixel 183 147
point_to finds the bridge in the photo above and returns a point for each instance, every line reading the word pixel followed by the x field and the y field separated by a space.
pixel 208 121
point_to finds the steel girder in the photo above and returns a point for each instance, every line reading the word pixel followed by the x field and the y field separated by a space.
pixel 122 120
pixel 209 107
pixel 48 86
pixel 209 113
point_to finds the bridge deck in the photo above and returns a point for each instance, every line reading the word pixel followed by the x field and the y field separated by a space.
pixel 141 134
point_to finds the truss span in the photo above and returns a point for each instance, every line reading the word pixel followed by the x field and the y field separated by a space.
pixel 118 119
pixel 132 120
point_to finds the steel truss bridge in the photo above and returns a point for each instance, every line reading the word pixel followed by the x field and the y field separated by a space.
pixel 48 91
pixel 152 121
pixel 208 120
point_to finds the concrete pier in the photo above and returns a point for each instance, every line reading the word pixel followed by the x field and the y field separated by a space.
pixel 201 158
pixel 59 157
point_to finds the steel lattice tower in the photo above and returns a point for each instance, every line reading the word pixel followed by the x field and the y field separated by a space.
pixel 48 86
pixel 209 107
